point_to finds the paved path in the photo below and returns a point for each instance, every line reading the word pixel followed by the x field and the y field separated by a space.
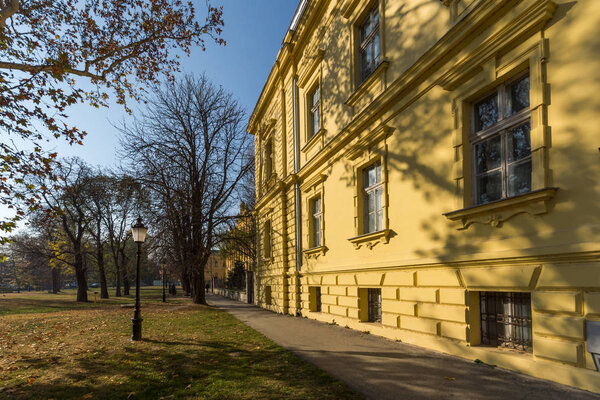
pixel 383 369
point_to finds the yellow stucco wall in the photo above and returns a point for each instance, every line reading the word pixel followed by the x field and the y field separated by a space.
pixel 412 114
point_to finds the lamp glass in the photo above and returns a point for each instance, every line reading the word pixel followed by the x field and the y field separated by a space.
pixel 138 231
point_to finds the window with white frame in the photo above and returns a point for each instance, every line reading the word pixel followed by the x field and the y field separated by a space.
pixel 372 194
pixel 314 117
pixel 369 43
pixel 501 142
pixel 316 221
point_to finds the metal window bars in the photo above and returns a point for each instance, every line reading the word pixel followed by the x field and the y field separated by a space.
pixel 506 320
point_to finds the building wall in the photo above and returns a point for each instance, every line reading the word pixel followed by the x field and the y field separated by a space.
pixel 413 114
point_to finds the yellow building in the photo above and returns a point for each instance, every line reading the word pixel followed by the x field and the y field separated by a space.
pixel 428 171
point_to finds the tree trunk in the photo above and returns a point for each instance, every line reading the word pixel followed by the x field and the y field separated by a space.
pixel 198 295
pixel 80 274
pixel 185 283
pixel 126 284
pixel 100 258
pixel 55 280
pixel 118 279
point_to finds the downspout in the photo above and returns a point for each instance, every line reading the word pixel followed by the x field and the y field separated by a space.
pixel 298 209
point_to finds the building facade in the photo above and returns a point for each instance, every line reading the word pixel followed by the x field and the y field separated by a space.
pixel 428 171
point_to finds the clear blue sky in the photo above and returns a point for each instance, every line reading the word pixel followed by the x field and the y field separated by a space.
pixel 254 31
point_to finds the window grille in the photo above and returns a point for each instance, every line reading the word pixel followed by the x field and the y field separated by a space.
pixel 374 299
pixel 318 298
pixel 506 320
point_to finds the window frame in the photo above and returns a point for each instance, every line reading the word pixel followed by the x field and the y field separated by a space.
pixel 312 189
pixel 366 192
pixel 500 129
pixel 515 320
pixel 371 149
pixel 267 241
pixel 467 88
pixel 316 214
pixel 314 109
pixel 269 158
pixel 374 308
pixel 365 71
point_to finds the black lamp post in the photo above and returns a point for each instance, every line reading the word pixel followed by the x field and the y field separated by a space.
pixel 138 231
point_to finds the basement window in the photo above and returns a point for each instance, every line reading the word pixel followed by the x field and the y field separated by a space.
pixel 374 300
pixel 315 298
pixel 506 320
pixel 268 296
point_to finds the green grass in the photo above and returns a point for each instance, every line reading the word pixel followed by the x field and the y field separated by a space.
pixel 75 351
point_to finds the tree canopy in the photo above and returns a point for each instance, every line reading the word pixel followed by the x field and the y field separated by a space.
pixel 56 53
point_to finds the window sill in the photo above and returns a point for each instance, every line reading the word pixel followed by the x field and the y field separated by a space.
pixel 367 84
pixel 315 252
pixel 371 239
pixel 316 138
pixel 496 212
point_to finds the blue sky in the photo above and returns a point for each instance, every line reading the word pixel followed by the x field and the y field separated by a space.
pixel 254 31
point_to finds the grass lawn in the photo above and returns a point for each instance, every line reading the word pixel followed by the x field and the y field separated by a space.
pixel 54 348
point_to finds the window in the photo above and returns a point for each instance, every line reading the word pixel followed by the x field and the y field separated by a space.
pixel 269 158
pixel 372 192
pixel 268 296
pixel 314 293
pixel 315 111
pixel 267 248
pixel 369 43
pixel 506 320
pixel 501 143
pixel 317 215
pixel 374 300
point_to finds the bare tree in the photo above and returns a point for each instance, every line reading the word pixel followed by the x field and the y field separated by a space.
pixel 189 149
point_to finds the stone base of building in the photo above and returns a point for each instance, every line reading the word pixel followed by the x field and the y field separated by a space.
pixel 439 308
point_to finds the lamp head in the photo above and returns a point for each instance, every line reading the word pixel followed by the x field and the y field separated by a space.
pixel 138 231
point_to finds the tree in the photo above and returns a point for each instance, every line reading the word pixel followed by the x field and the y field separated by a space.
pixel 98 189
pixel 189 149
pixel 56 53
pixel 67 204
pixel 122 196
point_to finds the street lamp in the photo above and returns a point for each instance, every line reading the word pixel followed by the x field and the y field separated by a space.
pixel 138 231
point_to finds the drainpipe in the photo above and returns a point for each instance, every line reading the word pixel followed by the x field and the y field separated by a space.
pixel 298 199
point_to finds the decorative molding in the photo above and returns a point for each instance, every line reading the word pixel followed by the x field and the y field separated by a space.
pixel 347 8
pixel 305 74
pixel 316 138
pixel 366 86
pixel 370 240
pixel 311 183
pixel 377 135
pixel 497 212
pixel 315 252
pixel 535 16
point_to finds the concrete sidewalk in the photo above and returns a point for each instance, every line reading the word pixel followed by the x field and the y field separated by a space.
pixel 383 369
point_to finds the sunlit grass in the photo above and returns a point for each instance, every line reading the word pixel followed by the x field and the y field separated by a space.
pixel 74 351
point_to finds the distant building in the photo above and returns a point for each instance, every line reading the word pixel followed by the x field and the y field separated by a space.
pixel 428 171
pixel 215 270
